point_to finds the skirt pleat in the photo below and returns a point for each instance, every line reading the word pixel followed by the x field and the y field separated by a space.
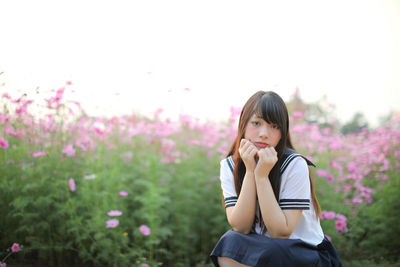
pixel 262 251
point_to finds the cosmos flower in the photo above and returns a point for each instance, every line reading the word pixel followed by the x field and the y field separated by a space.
pixel 123 193
pixel 144 229
pixel 15 247
pixel 112 223
pixel 72 186
pixel 114 213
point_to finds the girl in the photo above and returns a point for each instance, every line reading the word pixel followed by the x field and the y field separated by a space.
pixel 268 195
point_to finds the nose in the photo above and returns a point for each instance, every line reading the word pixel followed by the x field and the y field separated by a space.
pixel 263 131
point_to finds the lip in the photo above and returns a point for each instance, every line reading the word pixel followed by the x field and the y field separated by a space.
pixel 261 144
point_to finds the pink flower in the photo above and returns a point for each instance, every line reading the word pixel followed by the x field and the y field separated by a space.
pixel 341 217
pixel 327 215
pixel 329 178
pixel 158 112
pixel 123 193
pixel 235 111
pixel 60 93
pixel 6 95
pixel 114 213
pixel 3 264
pixel 3 143
pixel 335 145
pixel 69 150
pixel 15 247
pixel 328 237
pixel 297 114
pixel 4 119
pixel 323 215
pixel 195 142
pixel 144 229
pixel 144 265
pixel 99 131
pixel 38 154
pixel 330 215
pixel 322 173
pixel 340 225
pixel 71 184
pixel 112 223
pixel 326 131
pixel 336 165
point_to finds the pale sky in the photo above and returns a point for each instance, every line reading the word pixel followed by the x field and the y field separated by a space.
pixel 125 56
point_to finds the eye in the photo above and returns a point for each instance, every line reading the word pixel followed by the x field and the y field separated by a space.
pixel 255 123
pixel 275 126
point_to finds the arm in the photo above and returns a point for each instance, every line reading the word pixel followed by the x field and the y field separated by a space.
pixel 241 216
pixel 280 223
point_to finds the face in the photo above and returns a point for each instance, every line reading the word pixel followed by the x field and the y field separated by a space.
pixel 261 133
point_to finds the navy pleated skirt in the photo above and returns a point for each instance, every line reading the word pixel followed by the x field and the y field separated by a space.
pixel 262 251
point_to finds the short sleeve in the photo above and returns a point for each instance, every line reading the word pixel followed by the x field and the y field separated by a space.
pixel 295 191
pixel 227 184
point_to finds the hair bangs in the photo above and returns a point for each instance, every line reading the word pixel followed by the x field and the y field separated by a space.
pixel 270 110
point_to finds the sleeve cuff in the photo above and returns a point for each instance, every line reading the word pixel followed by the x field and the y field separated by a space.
pixel 230 201
pixel 294 204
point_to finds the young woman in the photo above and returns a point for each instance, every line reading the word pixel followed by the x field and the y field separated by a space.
pixel 268 194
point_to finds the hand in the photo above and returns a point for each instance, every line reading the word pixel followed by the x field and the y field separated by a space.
pixel 267 160
pixel 248 153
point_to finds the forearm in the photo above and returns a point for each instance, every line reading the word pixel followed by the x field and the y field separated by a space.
pixel 273 216
pixel 242 216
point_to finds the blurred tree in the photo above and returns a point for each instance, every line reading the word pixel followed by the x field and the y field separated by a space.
pixel 356 124
pixel 388 118
pixel 321 111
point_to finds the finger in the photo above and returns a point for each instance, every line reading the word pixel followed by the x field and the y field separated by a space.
pixel 272 149
pixel 266 154
pixel 242 142
pixel 249 146
pixel 261 151
pixel 252 151
pixel 241 145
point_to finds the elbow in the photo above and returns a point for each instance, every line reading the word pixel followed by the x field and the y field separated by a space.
pixel 240 227
pixel 281 233
pixel 243 230
pixel 277 235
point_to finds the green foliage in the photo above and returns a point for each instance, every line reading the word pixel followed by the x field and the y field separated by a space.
pixel 374 230
pixel 173 188
pixel 356 124
pixel 179 202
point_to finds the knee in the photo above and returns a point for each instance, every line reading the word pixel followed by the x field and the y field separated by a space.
pixel 228 262
pixel 225 262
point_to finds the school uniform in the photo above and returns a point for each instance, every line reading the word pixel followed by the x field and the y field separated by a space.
pixel 306 246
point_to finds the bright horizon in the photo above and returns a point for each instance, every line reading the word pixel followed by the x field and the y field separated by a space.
pixel 200 58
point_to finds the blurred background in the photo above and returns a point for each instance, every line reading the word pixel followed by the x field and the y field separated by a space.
pixel 114 116
pixel 201 57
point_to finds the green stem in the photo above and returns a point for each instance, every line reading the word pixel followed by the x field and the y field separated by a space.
pixel 74 215
pixel 4 260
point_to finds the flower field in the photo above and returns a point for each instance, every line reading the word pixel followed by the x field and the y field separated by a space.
pixel 132 190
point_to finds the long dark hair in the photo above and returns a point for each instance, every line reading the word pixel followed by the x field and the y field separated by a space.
pixel 271 107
